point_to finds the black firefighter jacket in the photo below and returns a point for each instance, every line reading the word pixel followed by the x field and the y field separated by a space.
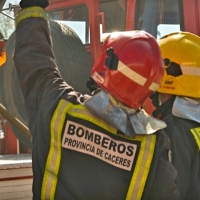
pixel 81 175
pixel 185 150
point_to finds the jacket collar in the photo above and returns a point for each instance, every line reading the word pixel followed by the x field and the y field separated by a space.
pixel 187 108
pixel 127 120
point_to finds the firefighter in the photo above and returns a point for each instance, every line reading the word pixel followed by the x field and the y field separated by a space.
pixel 93 147
pixel 178 104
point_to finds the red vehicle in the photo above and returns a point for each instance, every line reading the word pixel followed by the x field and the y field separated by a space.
pixel 78 28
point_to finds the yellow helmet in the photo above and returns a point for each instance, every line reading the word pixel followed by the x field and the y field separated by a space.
pixel 181 54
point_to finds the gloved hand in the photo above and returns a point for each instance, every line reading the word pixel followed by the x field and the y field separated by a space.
pixel 30 3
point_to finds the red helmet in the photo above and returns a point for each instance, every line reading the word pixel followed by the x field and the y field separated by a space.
pixel 130 67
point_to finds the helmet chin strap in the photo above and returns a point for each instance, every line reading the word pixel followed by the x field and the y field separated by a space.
pixel 128 120
pixel 187 108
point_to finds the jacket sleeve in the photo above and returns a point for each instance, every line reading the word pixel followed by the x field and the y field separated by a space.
pixel 161 180
pixel 40 80
pixel 186 155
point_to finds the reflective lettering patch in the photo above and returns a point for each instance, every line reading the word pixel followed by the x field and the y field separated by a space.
pixel 88 141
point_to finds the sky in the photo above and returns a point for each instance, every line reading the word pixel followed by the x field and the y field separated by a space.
pixel 78 27
pixel 8 32
pixel 14 2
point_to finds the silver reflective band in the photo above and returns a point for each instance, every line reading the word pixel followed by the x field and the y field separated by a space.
pixel 154 86
pixel 134 76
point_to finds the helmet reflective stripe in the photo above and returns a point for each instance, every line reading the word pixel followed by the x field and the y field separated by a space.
pixel 153 86
pixel 131 74
pixel 135 76
pixel 187 70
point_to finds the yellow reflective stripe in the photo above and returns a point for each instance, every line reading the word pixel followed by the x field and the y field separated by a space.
pixel 81 111
pixel 196 134
pixel 54 156
pixel 144 158
pixel 34 11
pixel 142 168
pixel 53 160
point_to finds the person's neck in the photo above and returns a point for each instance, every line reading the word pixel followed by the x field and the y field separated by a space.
pixel 165 108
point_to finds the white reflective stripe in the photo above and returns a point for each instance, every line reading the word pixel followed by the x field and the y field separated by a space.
pixel 188 70
pixel 131 74
pixel 154 86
